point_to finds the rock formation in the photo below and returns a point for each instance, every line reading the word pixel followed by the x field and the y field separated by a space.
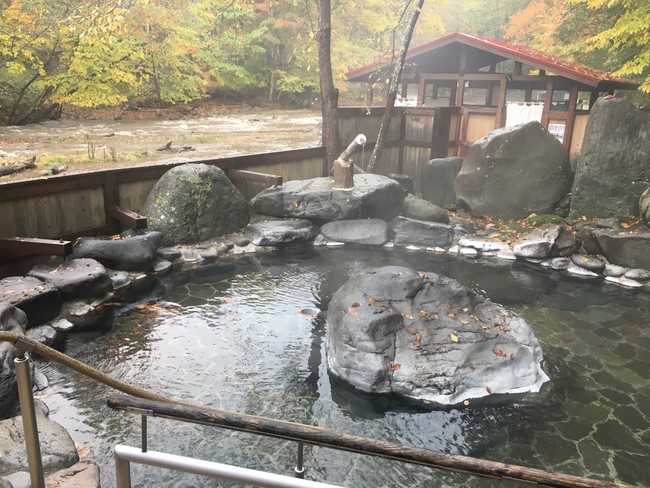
pixel 427 337
pixel 514 172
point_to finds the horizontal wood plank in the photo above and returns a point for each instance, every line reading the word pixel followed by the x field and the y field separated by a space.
pixel 27 246
pixel 129 218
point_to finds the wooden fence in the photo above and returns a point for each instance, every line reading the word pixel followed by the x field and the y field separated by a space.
pixel 74 205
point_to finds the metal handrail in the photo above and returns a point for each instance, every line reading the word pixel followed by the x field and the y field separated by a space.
pixel 149 403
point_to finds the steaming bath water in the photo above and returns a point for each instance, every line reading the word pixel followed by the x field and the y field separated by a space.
pixel 247 345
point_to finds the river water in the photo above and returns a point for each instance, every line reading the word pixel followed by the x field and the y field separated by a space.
pixel 241 344
pixel 115 143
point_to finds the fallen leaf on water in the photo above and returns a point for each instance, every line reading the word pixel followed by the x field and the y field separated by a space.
pixel 372 300
pixel 352 311
pixel 382 305
pixel 585 260
pixel 435 316
pixel 408 316
pixel 231 316
pixel 512 356
pixel 454 337
pixel 442 349
pixel 393 367
pixel 465 309
pixel 453 315
pixel 426 402
pixel 498 352
pixel 356 304
pixel 488 389
pixel 411 330
pixel 425 314
pixel 465 402
pixel 418 338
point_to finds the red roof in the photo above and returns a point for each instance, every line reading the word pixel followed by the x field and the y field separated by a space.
pixel 532 57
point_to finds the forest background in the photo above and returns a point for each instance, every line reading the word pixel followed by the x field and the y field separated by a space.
pixel 154 53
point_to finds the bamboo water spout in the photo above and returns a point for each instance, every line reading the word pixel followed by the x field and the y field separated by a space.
pixel 343 169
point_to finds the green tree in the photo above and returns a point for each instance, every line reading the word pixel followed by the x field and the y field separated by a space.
pixel 627 40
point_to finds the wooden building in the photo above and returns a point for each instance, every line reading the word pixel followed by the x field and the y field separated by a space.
pixel 474 85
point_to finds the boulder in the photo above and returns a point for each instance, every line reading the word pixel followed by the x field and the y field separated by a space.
pixel 195 202
pixel 81 475
pixel 75 278
pixel 277 232
pixel 644 206
pixel 419 209
pixel 57 448
pixel 40 301
pixel 135 253
pixel 629 250
pixel 427 337
pixel 405 180
pixel 437 181
pixel 614 165
pixel 12 319
pixel 370 232
pixel 514 172
pixel 373 196
pixel 419 233
pixel 546 241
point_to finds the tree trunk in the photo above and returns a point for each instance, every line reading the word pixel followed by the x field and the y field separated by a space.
pixel 393 87
pixel 329 95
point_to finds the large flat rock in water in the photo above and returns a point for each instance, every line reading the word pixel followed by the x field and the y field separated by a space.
pixel 427 337
pixel 373 196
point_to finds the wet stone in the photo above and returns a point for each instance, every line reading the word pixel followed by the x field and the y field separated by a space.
pixel 590 412
pixel 618 397
pixel 562 449
pixel 626 351
pixel 161 267
pixel 593 456
pixel 559 263
pixel 589 262
pixel 633 468
pixel 614 435
pixel 638 275
pixel 209 255
pixel 45 334
pixel 576 429
pixel 614 270
pixel 40 301
pixel 631 417
pixel 640 368
pixel 583 395
pixel 168 253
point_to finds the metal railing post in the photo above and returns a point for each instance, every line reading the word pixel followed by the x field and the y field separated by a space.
pixel 122 472
pixel 30 427
pixel 299 470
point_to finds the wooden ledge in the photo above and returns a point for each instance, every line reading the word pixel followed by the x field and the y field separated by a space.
pixel 132 220
pixel 13 247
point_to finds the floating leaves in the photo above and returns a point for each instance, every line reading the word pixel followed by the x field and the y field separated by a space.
pixel 394 366
pixel 411 330
pixel 425 314
pixel 408 316
pixel 356 304
pixel 372 300
pixel 512 356
pixel 488 389
pixel 353 311
pixel 453 337
pixel 418 338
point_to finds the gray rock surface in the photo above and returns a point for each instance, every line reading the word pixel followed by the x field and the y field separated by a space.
pixel 373 196
pixel 589 262
pixel 195 202
pixel 419 209
pixel 419 233
pixel 514 172
pixel 629 250
pixel 20 479
pixel 135 253
pixel 75 277
pixel 57 448
pixel 437 181
pixel 427 337
pixel 644 206
pixel 12 319
pixel 40 301
pixel 614 165
pixel 404 180
pixel 371 232
pixel 277 232
pixel 547 241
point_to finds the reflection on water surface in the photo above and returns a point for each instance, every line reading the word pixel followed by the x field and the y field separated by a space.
pixel 241 344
